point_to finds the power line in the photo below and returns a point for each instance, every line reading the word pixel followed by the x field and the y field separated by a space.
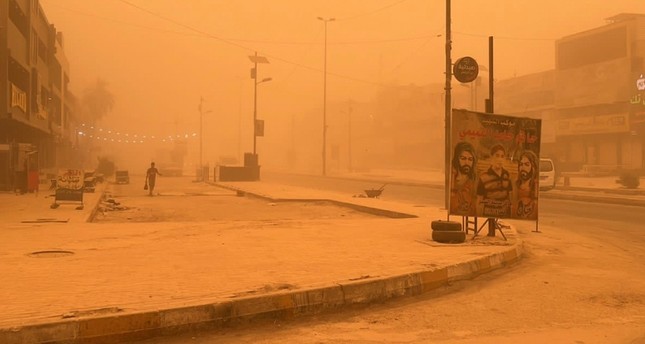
pixel 245 47
pixel 123 22
pixel 367 41
pixel 415 52
pixel 505 37
pixel 232 42
pixel 223 40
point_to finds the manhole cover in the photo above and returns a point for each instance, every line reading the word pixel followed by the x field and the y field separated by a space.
pixel 50 254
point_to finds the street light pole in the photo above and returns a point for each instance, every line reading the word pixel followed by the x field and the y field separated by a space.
pixel 254 75
pixel 201 137
pixel 349 137
pixel 255 105
pixel 324 144
pixel 255 110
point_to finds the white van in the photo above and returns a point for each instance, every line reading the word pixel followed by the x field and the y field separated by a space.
pixel 547 174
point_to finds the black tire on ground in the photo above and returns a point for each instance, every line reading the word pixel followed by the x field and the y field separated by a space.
pixel 450 237
pixel 440 225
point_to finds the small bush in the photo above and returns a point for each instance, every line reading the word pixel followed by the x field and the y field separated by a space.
pixel 629 179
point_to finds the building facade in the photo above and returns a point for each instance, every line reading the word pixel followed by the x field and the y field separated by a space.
pixel 35 121
pixel 592 102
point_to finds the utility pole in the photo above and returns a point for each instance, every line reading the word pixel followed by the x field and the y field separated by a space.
pixel 349 136
pixel 324 133
pixel 490 108
pixel 201 138
pixel 447 119
pixel 239 126
pixel 255 101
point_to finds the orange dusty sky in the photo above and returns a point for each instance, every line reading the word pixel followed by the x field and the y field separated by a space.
pixel 160 57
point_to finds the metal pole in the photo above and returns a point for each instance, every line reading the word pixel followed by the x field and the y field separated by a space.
pixel 349 136
pixel 472 96
pixel 201 138
pixel 239 123
pixel 448 109
pixel 492 222
pixel 490 74
pixel 475 93
pixel 255 100
pixel 324 133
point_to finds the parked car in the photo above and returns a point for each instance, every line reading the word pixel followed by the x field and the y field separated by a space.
pixel 170 170
pixel 547 174
pixel 122 177
pixel 89 181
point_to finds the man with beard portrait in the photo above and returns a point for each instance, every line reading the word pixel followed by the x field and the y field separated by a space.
pixel 462 191
pixel 526 186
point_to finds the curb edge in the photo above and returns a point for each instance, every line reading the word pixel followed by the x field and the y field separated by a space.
pixel 280 305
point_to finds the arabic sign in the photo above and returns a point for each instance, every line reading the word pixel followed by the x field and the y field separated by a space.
pixel 70 179
pixel 638 98
pixel 465 69
pixel 617 123
pixel 494 165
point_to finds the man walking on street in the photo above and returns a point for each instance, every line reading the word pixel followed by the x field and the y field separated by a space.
pixel 151 176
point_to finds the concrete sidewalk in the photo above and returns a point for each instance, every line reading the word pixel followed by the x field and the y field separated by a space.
pixel 79 282
pixel 29 208
pixel 73 281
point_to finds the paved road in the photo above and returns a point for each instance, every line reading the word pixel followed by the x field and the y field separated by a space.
pixel 433 195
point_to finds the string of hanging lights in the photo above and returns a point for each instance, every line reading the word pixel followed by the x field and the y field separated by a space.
pixel 111 135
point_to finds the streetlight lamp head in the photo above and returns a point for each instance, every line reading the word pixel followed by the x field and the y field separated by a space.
pixel 258 59
pixel 266 79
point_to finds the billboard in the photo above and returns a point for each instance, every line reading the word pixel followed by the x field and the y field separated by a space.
pixel 494 165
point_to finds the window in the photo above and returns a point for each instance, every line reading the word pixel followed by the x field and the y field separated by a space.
pixel 33 47
pixel 19 18
pixel 42 50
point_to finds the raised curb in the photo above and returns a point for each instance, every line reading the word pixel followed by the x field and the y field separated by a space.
pixel 359 207
pixel 593 198
pixel 619 191
pixel 279 305
pixel 95 209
